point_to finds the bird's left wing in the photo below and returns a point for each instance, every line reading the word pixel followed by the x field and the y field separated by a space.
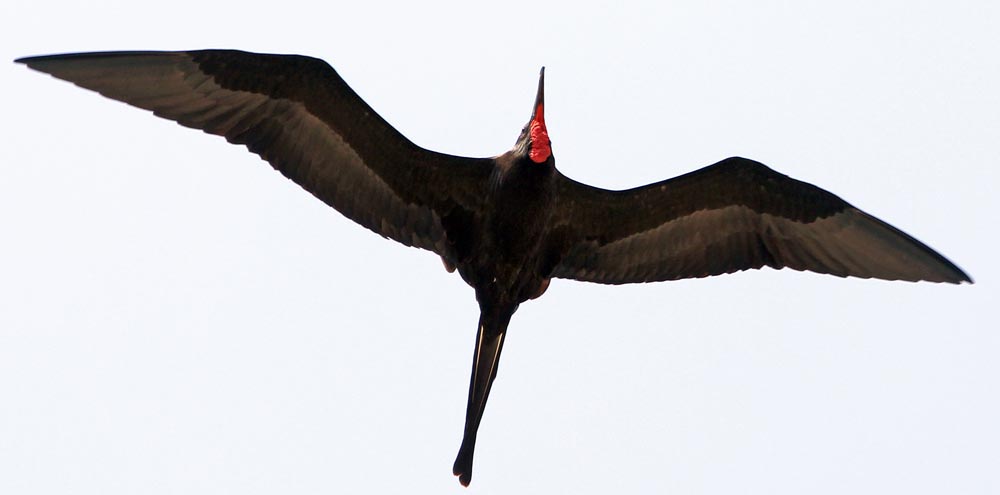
pixel 735 215
pixel 299 115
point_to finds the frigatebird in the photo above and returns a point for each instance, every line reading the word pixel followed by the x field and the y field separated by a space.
pixel 512 222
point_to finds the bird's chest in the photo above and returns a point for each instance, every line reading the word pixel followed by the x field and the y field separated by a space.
pixel 510 247
pixel 523 205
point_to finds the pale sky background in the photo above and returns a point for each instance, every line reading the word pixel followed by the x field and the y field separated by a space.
pixel 177 318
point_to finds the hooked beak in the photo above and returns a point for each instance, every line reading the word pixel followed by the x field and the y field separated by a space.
pixel 538 114
pixel 538 136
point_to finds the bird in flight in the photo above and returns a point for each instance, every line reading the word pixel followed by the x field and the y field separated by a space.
pixel 510 223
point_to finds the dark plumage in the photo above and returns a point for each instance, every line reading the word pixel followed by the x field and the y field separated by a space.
pixel 508 223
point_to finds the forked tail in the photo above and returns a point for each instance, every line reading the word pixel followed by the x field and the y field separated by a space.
pixel 489 343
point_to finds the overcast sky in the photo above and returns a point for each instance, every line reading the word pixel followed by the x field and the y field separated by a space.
pixel 176 317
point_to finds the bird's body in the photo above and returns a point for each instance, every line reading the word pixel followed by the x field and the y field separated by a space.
pixel 510 223
pixel 503 261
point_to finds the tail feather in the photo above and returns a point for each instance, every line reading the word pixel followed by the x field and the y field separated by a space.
pixel 489 343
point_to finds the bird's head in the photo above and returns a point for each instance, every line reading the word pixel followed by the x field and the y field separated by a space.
pixel 534 139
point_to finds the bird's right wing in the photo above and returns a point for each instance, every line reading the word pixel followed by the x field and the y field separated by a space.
pixel 299 115
pixel 735 215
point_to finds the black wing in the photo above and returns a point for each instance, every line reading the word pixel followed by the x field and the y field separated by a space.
pixel 299 115
pixel 735 215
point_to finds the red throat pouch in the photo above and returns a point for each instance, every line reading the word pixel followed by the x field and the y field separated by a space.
pixel 541 148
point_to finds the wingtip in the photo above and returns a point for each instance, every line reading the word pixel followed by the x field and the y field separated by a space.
pixel 956 276
pixel 963 276
pixel 39 58
pixel 36 61
pixel 28 60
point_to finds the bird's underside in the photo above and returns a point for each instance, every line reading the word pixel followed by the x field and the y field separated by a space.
pixel 509 223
